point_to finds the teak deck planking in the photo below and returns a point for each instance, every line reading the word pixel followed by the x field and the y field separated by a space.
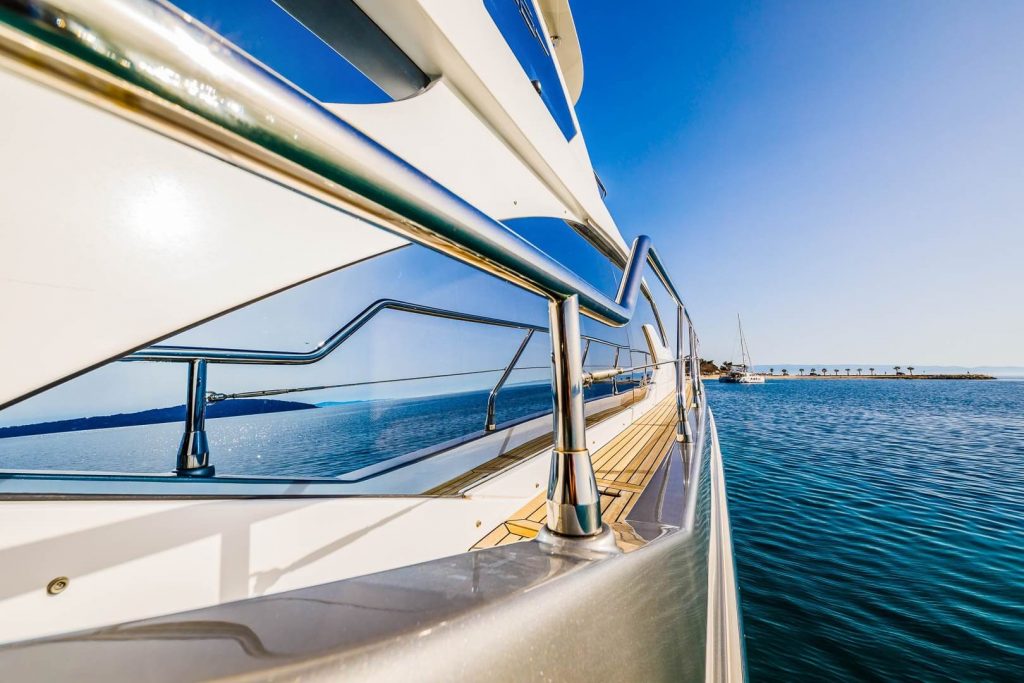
pixel 623 467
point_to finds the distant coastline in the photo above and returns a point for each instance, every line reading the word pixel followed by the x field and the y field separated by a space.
pixel 711 370
pixel 229 408
pixel 971 376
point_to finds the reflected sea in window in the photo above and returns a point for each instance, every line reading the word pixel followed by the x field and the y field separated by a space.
pixel 325 441
pixel 878 527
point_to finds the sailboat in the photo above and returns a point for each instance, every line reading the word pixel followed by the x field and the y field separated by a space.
pixel 743 373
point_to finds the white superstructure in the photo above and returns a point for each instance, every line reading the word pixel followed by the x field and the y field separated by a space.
pixel 155 178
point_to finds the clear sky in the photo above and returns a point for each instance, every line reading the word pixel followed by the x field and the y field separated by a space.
pixel 849 176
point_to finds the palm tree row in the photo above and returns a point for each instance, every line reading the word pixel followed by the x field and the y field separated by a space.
pixel 835 371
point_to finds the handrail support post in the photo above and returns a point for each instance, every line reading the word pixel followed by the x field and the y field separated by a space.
pixel 694 367
pixel 194 450
pixel 684 432
pixel 573 501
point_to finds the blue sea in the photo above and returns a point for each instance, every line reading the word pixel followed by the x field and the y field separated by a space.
pixel 322 442
pixel 878 527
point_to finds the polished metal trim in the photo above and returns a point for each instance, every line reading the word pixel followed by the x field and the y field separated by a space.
pixel 489 424
pixel 573 501
pixel 169 353
pixel 694 366
pixel 567 375
pixel 684 432
pixel 602 375
pixel 185 354
pixel 613 372
pixel 194 450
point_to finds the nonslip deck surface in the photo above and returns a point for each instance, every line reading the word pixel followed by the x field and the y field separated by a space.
pixel 623 468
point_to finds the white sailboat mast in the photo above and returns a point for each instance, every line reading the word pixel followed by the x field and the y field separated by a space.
pixel 747 365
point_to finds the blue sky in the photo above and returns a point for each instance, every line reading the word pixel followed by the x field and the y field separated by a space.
pixel 846 175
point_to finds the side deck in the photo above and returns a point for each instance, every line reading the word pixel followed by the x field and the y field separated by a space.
pixel 623 469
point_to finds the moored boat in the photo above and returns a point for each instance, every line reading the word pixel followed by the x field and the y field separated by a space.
pixel 744 372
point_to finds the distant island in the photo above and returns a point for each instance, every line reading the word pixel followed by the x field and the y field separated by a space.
pixel 709 370
pixel 228 408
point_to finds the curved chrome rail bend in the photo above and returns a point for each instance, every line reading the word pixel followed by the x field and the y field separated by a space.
pixel 489 423
pixel 186 354
pixel 120 54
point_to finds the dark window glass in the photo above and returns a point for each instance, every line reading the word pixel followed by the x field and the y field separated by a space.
pixel 558 240
pixel 401 383
pixel 276 38
pixel 524 33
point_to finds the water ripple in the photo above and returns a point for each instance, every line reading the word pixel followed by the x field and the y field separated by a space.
pixel 878 527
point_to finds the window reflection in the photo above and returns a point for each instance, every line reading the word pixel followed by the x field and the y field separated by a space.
pixel 523 31
pixel 268 32
pixel 403 382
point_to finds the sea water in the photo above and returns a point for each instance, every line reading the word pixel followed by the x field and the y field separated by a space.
pixel 878 527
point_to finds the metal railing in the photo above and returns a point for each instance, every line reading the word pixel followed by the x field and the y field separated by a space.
pixel 489 421
pixel 193 458
pixel 233 107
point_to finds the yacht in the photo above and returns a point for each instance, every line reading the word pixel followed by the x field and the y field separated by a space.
pixel 324 358
pixel 744 372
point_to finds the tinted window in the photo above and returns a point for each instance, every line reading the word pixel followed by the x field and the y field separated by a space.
pixel 276 38
pixel 558 240
pixel 519 24
pixel 402 382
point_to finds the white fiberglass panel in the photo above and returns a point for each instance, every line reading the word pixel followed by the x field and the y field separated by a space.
pixel 451 144
pixel 462 42
pixel 112 236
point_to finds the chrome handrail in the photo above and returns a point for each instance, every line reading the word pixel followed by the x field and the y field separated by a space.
pixel 613 372
pixel 194 453
pixel 167 353
pixel 134 45
pixel 151 61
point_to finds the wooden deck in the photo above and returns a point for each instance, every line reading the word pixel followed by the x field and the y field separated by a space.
pixel 623 468
pixel 524 451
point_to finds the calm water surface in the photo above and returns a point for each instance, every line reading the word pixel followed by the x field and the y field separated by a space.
pixel 878 527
